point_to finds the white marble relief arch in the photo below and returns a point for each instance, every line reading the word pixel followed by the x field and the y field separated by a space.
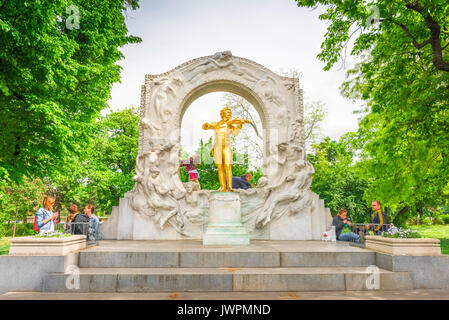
pixel 161 207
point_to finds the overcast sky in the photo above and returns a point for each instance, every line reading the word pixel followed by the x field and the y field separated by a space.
pixel 274 33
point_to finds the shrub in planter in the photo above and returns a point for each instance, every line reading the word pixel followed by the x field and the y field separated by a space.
pixel 394 232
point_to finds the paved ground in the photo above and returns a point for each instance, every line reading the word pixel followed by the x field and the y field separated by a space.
pixel 328 295
pixel 197 246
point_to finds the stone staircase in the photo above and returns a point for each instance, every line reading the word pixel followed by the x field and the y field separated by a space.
pixel 247 268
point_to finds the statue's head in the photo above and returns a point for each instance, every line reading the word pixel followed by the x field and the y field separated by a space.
pixel 226 113
pixel 154 172
pixel 263 182
pixel 188 186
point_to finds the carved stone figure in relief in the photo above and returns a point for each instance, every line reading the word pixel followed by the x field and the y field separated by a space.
pixel 289 85
pixel 165 88
pixel 157 192
pixel 152 128
pixel 269 87
pixel 284 195
pixel 295 132
pixel 196 203
pixel 220 60
pixel 164 204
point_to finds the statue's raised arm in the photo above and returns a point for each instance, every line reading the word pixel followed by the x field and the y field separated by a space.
pixel 209 126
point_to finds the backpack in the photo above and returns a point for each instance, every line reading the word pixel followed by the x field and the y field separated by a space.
pixel 80 228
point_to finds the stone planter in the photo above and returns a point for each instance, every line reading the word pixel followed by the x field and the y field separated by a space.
pixel 26 246
pixel 404 247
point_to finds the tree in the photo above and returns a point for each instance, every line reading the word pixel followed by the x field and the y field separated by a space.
pixel 17 200
pixel 114 157
pixel 337 178
pixel 57 67
pixel 411 26
pixel 315 113
pixel 403 78
pixel 103 172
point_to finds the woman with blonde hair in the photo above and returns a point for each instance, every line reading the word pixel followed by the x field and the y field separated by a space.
pixel 45 217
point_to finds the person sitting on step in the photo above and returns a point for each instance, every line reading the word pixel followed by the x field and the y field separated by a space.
pixel 340 221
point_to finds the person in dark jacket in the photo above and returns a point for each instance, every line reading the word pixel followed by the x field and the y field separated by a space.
pixel 242 182
pixel 80 224
pixel 379 219
pixel 340 221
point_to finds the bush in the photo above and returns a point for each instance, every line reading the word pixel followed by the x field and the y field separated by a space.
pixel 426 221
pixel 445 218
pixel 22 229
pixel 401 233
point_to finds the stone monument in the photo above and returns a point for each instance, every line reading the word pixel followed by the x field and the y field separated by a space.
pixel 161 207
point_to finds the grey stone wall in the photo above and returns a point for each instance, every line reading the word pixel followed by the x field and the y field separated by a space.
pixel 428 272
pixel 26 273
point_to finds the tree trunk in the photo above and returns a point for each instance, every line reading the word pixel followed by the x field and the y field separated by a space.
pixel 15 222
pixel 418 217
pixel 400 213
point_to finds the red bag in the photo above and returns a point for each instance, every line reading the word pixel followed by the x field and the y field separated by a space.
pixel 35 228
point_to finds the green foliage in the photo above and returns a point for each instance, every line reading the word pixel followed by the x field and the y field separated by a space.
pixel 435 232
pixel 103 172
pixel 403 78
pixel 4 247
pixel 22 230
pixel 17 200
pixel 337 179
pixel 55 80
pixel 445 218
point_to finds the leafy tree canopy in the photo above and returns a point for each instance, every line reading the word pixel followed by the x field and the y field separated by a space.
pixel 403 78
pixel 337 178
pixel 55 77
pixel 102 173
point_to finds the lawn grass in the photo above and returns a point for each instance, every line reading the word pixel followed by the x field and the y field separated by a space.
pixel 4 246
pixel 435 231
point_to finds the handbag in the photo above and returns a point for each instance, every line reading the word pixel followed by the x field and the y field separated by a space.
pixel 35 228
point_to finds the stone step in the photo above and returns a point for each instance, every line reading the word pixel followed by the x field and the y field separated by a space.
pixel 233 259
pixel 225 279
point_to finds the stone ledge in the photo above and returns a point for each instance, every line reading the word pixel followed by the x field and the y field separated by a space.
pixel 408 247
pixel 46 246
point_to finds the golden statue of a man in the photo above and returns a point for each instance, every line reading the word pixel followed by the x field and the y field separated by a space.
pixel 221 150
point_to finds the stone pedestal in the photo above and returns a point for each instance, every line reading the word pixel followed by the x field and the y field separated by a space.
pixel 225 221
pixel 57 246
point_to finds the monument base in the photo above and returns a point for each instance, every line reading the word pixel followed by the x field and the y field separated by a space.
pixel 225 221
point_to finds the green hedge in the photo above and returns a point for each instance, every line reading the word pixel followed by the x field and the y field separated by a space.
pixel 22 229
